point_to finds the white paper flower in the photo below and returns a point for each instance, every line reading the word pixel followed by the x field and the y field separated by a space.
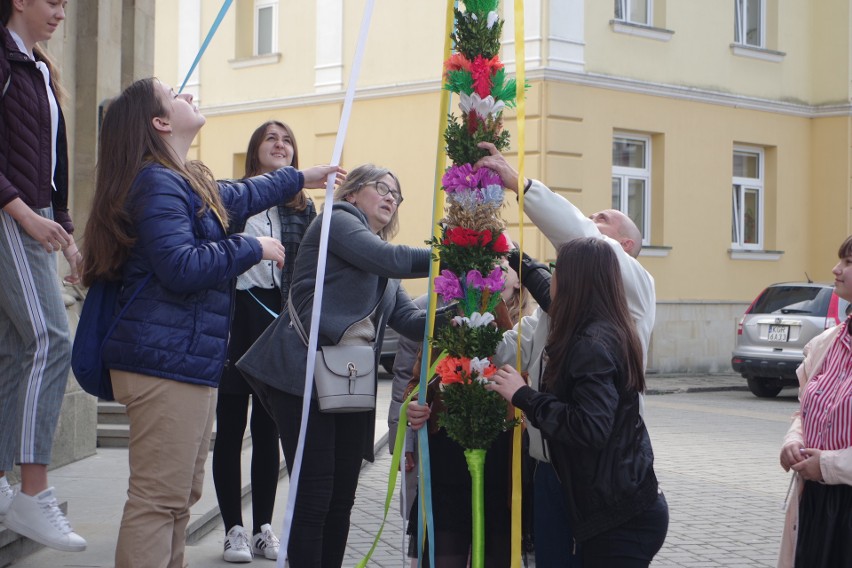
pixel 485 108
pixel 479 365
pixel 475 320
pixel 492 19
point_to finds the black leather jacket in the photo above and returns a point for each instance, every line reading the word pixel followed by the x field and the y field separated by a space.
pixel 598 441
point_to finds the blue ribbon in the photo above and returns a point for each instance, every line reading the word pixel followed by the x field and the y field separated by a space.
pixel 221 16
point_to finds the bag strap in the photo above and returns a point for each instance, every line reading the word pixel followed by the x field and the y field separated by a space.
pixel 297 323
pixel 294 317
pixel 124 309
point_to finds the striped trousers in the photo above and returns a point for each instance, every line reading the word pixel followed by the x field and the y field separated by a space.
pixel 35 346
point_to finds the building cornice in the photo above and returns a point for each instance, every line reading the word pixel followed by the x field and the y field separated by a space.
pixel 622 84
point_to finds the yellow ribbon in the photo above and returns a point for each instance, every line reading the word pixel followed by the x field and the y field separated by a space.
pixel 520 59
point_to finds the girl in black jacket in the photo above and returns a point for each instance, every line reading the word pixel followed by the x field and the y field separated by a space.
pixel 588 411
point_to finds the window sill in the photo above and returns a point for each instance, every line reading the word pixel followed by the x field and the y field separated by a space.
pixel 746 254
pixel 743 50
pixel 640 30
pixel 655 251
pixel 255 61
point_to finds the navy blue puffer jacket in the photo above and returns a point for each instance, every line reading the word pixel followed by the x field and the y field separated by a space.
pixel 177 327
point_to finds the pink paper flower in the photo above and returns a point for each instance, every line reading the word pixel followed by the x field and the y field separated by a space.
pixel 447 285
pixel 493 282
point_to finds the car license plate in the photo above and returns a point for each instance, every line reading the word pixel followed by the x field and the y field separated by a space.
pixel 779 332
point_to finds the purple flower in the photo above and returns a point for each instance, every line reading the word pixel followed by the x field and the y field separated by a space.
pixel 447 285
pixel 461 178
pixel 493 282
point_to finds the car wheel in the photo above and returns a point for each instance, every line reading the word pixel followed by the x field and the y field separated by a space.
pixel 763 388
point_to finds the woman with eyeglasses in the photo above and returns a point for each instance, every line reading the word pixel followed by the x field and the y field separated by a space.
pixel 588 411
pixel 361 293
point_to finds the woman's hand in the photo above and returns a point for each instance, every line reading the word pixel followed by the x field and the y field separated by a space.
pixel 418 415
pixel 791 454
pixel 505 382
pixel 272 250
pixel 316 176
pixel 74 258
pixel 50 234
pixel 808 467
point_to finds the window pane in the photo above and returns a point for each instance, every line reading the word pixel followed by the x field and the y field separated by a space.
pixel 264 30
pixel 735 215
pixel 628 153
pixel 616 193
pixel 753 22
pixel 619 9
pixel 747 165
pixel 639 11
pixel 636 203
pixel 751 201
pixel 738 10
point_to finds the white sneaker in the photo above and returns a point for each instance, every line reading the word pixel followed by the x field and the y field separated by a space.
pixel 6 496
pixel 237 547
pixel 265 543
pixel 40 519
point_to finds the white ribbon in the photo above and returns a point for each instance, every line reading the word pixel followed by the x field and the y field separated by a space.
pixel 318 288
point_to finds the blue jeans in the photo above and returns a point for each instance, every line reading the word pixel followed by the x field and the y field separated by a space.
pixel 554 539
pixel 632 544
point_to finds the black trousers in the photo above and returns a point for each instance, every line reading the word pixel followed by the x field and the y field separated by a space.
pixel 632 544
pixel 328 478
pixel 825 526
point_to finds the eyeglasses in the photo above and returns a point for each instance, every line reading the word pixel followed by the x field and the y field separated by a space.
pixel 552 266
pixel 383 189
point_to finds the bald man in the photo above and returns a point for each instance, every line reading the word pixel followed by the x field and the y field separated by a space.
pixel 561 221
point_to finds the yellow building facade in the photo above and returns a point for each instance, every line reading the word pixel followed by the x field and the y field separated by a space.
pixel 724 129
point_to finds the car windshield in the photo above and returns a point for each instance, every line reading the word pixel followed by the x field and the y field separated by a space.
pixel 811 300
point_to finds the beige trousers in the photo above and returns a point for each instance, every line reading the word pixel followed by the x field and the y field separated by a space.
pixel 170 425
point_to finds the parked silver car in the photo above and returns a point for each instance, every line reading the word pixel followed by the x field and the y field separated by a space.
pixel 775 329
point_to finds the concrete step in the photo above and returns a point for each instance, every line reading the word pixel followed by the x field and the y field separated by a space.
pixel 14 546
pixel 111 413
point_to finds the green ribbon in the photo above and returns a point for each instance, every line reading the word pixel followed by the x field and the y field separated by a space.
pixel 476 467
pixel 399 441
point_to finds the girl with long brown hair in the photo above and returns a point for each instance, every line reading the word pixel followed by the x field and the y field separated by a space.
pixel 588 411
pixel 160 224
pixel 261 293
pixel 35 352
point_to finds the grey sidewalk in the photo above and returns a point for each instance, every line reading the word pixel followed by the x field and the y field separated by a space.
pixel 95 489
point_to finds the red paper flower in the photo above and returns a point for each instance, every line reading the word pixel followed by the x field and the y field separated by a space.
pixel 482 70
pixel 464 237
pixel 457 62
pixel 450 369
pixel 502 243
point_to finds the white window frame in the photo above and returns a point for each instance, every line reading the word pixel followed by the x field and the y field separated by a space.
pixel 258 6
pixel 625 7
pixel 740 186
pixel 624 174
pixel 741 25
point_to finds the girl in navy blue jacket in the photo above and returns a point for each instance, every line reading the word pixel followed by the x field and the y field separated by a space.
pixel 156 213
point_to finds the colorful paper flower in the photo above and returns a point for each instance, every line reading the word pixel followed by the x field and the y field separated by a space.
pixel 484 107
pixel 493 282
pixel 482 70
pixel 450 369
pixel 464 237
pixel 476 319
pixel 448 286
pixel 483 368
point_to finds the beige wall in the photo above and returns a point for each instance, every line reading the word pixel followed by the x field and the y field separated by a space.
pixel 691 94
pixel 813 35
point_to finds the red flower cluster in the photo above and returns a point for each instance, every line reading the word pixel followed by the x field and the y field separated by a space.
pixel 463 237
pixel 482 70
